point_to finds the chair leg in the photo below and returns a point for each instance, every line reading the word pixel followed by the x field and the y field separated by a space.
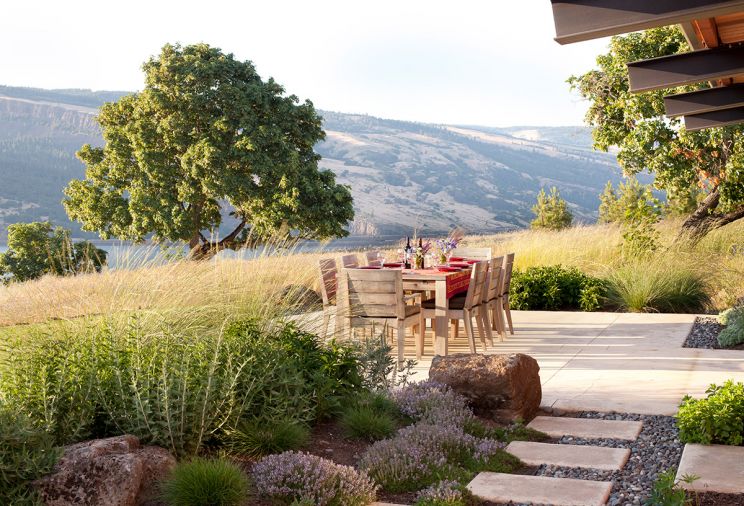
pixel 420 338
pixel 482 327
pixel 507 311
pixel 483 311
pixel 455 329
pixel 497 319
pixel 401 335
pixel 326 323
pixel 467 319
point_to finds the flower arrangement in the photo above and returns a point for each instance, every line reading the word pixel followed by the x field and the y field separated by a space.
pixel 445 246
pixel 304 478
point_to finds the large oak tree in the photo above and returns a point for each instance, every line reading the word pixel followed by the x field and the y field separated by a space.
pixel 712 159
pixel 205 138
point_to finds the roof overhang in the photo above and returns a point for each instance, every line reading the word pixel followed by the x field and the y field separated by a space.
pixel 714 30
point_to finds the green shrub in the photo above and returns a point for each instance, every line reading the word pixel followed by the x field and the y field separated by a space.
pixel 731 316
pixel 717 419
pixel 555 287
pixel 172 383
pixel 733 334
pixel 257 438
pixel 657 286
pixel 26 453
pixel 202 482
pixel 364 422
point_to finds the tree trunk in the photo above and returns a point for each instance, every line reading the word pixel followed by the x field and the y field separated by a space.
pixel 705 219
pixel 203 249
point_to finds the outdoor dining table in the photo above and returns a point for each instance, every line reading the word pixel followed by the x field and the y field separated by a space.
pixel 444 285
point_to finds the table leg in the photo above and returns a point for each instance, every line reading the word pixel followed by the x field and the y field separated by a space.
pixel 440 315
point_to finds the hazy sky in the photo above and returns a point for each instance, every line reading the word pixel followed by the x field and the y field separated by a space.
pixel 489 62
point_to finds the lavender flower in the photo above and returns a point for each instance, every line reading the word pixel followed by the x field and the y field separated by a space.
pixel 304 478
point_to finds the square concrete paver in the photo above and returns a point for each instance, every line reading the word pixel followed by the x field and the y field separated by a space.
pixel 592 457
pixel 720 468
pixel 499 487
pixel 587 428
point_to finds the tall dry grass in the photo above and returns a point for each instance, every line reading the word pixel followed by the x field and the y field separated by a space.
pixel 249 283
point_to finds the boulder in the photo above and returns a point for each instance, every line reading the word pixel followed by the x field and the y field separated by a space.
pixel 115 471
pixel 503 387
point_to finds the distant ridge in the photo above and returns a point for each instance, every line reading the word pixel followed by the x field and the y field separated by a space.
pixel 403 174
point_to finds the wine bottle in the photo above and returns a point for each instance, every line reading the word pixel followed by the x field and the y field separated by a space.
pixel 407 253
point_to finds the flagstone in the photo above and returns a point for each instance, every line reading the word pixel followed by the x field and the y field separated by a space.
pixel 587 428
pixel 591 457
pixel 518 488
pixel 719 468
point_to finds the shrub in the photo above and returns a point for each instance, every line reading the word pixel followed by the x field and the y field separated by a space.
pixel 26 453
pixel 732 316
pixel 445 493
pixel 173 383
pixel 657 286
pixel 202 482
pixel 364 422
pixel 301 478
pixel 432 402
pixel 717 419
pixel 555 287
pixel 256 438
pixel 733 334
pixel 425 453
pixel 666 492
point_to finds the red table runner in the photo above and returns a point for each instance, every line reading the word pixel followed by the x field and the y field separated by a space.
pixel 457 282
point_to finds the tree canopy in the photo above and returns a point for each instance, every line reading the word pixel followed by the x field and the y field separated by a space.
pixel 551 211
pixel 38 248
pixel 711 159
pixel 205 138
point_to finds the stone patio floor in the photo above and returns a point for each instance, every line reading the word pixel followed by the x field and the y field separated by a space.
pixel 625 362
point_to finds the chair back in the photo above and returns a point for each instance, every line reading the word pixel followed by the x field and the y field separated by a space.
pixel 473 253
pixel 477 283
pixel 374 293
pixel 494 286
pixel 507 268
pixel 350 261
pixel 328 281
pixel 373 258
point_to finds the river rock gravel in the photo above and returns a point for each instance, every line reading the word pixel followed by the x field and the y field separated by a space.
pixel 656 449
pixel 704 333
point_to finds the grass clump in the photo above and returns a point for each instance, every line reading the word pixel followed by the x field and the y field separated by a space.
pixel 716 419
pixel 202 482
pixel 371 417
pixel 256 438
pixel 657 286
pixel 26 453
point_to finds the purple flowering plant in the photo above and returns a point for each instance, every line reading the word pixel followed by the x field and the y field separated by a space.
pixel 443 493
pixel 296 477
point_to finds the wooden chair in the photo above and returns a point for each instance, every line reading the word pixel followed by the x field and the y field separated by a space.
pixel 462 307
pixel 507 268
pixel 473 253
pixel 328 289
pixel 493 298
pixel 376 297
pixel 350 261
pixel 373 258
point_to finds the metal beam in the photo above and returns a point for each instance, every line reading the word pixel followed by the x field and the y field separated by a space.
pixel 578 20
pixel 685 68
pixel 698 102
pixel 714 119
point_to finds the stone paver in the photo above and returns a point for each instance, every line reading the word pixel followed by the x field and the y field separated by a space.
pixel 587 428
pixel 499 487
pixel 592 457
pixel 719 468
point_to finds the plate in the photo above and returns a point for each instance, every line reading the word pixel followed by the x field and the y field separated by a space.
pixel 393 265
pixel 457 259
pixel 375 267
pixel 447 268
pixel 471 262
pixel 459 264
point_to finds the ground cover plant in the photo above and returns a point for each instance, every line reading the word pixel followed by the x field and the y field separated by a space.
pixel 716 419
pixel 733 333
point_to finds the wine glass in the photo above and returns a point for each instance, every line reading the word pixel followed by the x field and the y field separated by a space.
pixel 381 258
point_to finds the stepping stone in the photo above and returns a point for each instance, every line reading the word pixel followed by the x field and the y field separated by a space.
pixel 587 428
pixel 593 457
pixel 720 468
pixel 519 488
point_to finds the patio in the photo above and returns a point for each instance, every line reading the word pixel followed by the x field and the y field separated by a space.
pixel 625 362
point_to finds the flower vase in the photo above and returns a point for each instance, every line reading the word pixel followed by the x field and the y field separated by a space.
pixel 442 258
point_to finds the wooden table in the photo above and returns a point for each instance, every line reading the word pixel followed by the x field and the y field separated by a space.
pixel 431 281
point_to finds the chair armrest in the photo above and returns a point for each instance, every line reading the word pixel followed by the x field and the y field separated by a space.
pixel 413 296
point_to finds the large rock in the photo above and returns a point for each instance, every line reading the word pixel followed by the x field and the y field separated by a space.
pixel 115 471
pixel 504 387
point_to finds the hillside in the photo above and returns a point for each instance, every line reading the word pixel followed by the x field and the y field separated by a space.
pixel 402 174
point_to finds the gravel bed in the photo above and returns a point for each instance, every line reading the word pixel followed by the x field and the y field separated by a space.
pixel 704 333
pixel 657 449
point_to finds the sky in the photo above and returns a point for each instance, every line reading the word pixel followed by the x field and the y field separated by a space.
pixel 473 62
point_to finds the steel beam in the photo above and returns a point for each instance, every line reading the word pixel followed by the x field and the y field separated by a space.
pixel 685 68
pixel 698 102
pixel 578 20
pixel 714 119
